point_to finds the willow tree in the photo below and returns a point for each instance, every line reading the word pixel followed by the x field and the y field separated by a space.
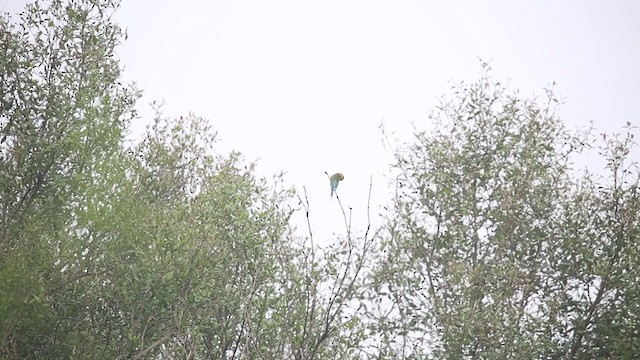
pixel 62 118
pixel 496 248
pixel 163 248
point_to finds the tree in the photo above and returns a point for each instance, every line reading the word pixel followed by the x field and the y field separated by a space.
pixel 61 121
pixel 160 249
pixel 495 249
pixel 201 257
pixel 602 243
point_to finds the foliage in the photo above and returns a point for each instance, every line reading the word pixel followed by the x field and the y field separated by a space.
pixel 494 246
pixel 163 249
pixel 495 250
pixel 62 115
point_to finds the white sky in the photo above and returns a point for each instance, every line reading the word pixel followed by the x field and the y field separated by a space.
pixel 302 86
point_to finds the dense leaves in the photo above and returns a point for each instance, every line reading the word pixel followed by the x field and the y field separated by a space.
pixel 61 121
pixel 495 250
pixel 162 249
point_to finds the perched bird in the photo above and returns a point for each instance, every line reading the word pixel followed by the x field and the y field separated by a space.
pixel 335 180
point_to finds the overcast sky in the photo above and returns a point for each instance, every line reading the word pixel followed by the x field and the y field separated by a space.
pixel 303 85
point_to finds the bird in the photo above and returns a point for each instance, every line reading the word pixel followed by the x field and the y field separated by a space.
pixel 334 181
